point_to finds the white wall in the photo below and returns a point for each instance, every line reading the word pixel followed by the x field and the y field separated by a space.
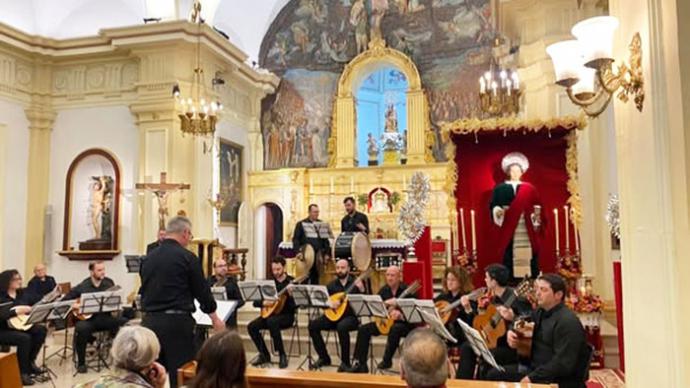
pixel 14 158
pixel 76 130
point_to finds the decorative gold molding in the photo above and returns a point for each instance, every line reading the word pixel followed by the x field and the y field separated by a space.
pixel 464 126
pixel 573 184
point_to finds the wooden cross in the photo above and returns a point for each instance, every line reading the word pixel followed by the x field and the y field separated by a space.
pixel 161 191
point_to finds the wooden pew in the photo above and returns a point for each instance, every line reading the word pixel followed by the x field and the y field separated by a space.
pixel 9 371
pixel 272 378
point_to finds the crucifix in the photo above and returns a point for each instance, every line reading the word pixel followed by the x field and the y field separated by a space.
pixel 162 190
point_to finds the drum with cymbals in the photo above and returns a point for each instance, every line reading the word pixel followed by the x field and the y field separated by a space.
pixel 304 260
pixel 355 246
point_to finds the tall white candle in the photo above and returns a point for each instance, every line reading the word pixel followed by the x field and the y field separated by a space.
pixel 474 231
pixel 555 226
pixel 462 226
pixel 577 239
pixel 454 231
pixel 567 228
pixel 332 186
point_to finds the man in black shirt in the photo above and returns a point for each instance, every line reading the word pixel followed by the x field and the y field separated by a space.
pixel 496 278
pixel 353 221
pixel 84 328
pixel 559 349
pixel 232 291
pixel 275 323
pixel 157 243
pixel 347 323
pixel 40 284
pixel 392 290
pixel 316 233
pixel 172 279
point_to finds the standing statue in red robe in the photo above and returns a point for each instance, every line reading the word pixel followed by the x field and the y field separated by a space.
pixel 516 210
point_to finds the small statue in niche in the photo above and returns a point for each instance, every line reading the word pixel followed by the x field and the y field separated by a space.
pixel 372 149
pixel 380 202
pixel 391 119
pixel 99 210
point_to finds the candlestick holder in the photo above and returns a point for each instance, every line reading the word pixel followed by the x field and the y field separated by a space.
pixel 569 264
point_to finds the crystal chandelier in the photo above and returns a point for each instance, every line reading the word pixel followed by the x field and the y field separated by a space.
pixel 499 91
pixel 199 114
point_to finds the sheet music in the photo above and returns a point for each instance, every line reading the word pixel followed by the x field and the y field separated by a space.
pixel 437 326
pixel 224 309
pixel 258 290
pixel 133 263
pixel 368 305
pixel 411 309
pixel 268 289
pixel 300 293
pixel 100 302
pixel 219 293
pixel 39 313
pixel 318 295
pixel 479 345
pixel 60 309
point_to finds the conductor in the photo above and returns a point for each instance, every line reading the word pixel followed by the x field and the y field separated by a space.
pixel 171 278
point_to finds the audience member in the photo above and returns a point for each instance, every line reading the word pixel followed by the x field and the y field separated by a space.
pixel 424 361
pixel 221 362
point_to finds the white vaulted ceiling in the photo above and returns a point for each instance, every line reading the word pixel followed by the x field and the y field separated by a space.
pixel 245 21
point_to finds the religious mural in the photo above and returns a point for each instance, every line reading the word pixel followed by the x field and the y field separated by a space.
pixel 310 41
pixel 230 160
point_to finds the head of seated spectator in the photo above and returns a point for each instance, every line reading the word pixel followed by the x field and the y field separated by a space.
pixel 221 362
pixel 424 361
pixel 134 351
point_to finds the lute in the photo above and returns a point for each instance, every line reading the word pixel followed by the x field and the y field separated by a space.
pixel 335 314
pixel 384 324
pixel 449 311
pixel 281 299
pixel 19 322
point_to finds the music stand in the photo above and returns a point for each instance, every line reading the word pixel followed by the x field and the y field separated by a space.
pixel 41 314
pixel 367 305
pixel 133 263
pixel 258 290
pixel 312 298
pixel 412 309
pixel 434 321
pixel 97 303
pixel 61 310
pixel 479 346
pixel 219 293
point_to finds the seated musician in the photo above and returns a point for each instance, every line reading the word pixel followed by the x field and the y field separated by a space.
pixel 456 284
pixel 232 291
pixel 40 284
pixel 496 279
pixel 393 289
pixel 347 323
pixel 353 221
pixel 28 342
pixel 559 353
pixel 84 329
pixel 281 320
pixel 316 233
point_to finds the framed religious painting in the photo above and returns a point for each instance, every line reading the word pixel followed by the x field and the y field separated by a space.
pixel 92 207
pixel 230 167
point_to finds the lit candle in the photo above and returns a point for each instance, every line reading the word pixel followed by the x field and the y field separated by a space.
pixel 332 186
pixel 509 86
pixel 503 76
pixel 494 87
pixel 352 184
pixel 577 239
pixel 454 240
pixel 462 226
pixel 567 228
pixel 482 85
pixel 555 225
pixel 474 231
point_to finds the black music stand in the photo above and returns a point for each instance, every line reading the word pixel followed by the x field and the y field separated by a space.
pixel 60 312
pixel 258 290
pixel 133 263
pixel 479 346
pixel 313 298
pixel 97 303
pixel 370 306
pixel 41 314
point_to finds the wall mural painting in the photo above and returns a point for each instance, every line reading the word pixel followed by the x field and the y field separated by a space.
pixel 230 163
pixel 310 41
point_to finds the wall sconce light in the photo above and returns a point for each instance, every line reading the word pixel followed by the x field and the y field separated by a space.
pixel 585 67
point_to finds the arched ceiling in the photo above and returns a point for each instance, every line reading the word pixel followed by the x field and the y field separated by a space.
pixel 64 19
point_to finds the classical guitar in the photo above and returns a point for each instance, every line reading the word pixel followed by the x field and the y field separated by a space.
pixel 524 331
pixel 19 322
pixel 334 315
pixel 384 324
pixel 76 309
pixel 276 307
pixel 449 311
pixel 491 324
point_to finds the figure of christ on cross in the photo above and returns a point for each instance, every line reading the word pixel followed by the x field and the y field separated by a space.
pixel 162 191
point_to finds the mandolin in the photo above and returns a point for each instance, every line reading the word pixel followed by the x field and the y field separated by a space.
pixel 335 314
pixel 449 311
pixel 384 324
pixel 20 321
pixel 491 324
pixel 281 299
pixel 76 309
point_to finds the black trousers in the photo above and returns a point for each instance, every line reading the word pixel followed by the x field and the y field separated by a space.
pixel 365 332
pixel 274 325
pixel 344 326
pixel 175 333
pixel 83 330
pixel 28 344
pixel 468 359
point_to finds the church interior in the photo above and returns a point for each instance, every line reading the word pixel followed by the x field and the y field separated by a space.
pixel 429 136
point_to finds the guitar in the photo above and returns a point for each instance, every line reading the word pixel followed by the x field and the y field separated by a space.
pixel 449 311
pixel 334 315
pixel 384 324
pixel 524 331
pixel 281 299
pixel 19 322
pixel 76 309
pixel 491 324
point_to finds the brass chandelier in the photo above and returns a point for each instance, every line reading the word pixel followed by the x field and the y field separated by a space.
pixel 499 90
pixel 199 114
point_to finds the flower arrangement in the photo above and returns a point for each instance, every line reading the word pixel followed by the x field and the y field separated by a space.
pixel 411 219
pixel 468 261
pixel 569 266
pixel 584 302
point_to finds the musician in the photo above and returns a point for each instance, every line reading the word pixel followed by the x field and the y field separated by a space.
pixel 393 289
pixel 559 353
pixel 40 284
pixel 496 277
pixel 232 291
pixel 171 279
pixel 347 323
pixel 275 323
pixel 316 233
pixel 28 342
pixel 84 329
pixel 161 236
pixel 353 221
pixel 456 283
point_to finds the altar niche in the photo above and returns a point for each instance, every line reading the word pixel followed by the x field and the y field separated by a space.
pixel 381 110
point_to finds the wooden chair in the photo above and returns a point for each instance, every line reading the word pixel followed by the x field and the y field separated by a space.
pixel 9 370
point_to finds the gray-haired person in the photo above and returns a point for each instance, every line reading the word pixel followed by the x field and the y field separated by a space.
pixel 171 279
pixel 424 361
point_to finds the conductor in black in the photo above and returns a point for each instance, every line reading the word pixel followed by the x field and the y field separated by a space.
pixel 171 278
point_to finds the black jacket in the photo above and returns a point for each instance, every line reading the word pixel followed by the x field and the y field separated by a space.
pixel 349 223
pixel 22 299
pixel 336 286
pixel 232 292
pixel 290 307
pixel 171 278
pixel 38 288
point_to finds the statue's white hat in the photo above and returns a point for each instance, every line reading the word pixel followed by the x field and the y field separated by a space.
pixel 515 158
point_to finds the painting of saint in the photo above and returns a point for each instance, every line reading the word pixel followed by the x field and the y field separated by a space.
pixel 230 167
